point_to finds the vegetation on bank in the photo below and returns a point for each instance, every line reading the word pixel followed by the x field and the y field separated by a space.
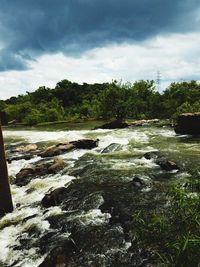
pixel 171 235
pixel 72 101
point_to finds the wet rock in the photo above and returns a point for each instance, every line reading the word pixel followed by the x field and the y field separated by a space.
pixel 74 197
pixel 54 198
pixel 24 151
pixel 167 165
pixel 63 249
pixel 111 148
pixel 23 173
pixel 116 124
pixel 25 148
pixel 20 157
pixel 29 218
pixel 90 246
pixel 144 122
pixel 57 150
pixel 85 143
pixel 66 147
pixel 188 123
pixel 116 198
pixel 102 238
pixel 159 159
pixel 138 182
pixel 151 155
pixel 26 174
pixel 92 201
pixel 57 165
pixel 101 244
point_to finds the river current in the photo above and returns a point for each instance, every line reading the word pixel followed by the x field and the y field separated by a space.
pixel 122 164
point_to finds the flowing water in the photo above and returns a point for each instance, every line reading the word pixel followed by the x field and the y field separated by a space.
pixel 121 162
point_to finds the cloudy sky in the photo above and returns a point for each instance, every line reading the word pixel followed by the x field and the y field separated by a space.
pixel 45 41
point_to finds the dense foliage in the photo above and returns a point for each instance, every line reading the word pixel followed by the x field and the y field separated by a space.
pixel 173 235
pixel 69 101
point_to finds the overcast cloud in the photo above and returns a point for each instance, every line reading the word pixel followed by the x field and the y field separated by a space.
pixel 44 41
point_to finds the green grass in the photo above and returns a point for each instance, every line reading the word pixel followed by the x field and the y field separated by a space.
pixel 173 234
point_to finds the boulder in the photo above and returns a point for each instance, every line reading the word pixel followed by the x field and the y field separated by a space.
pixel 159 159
pixel 20 157
pixel 25 148
pixel 85 143
pixel 19 152
pixel 62 251
pixel 167 165
pixel 54 198
pixel 111 148
pixel 144 122
pixel 138 182
pixel 23 173
pixel 26 174
pixel 57 165
pixel 66 147
pixel 57 150
pixel 116 124
pixel 188 123
pixel 151 155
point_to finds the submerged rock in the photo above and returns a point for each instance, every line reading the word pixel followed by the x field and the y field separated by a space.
pixel 89 246
pixel 138 182
pixel 60 249
pixel 116 124
pixel 188 123
pixel 111 148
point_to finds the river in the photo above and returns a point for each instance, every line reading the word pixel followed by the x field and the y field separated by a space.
pixel 118 164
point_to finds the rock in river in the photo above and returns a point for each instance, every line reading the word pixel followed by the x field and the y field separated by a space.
pixel 25 175
pixel 167 165
pixel 188 123
pixel 68 146
pixel 57 150
pixel 116 124
pixel 158 158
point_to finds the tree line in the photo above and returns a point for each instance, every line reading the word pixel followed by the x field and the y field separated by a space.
pixel 71 101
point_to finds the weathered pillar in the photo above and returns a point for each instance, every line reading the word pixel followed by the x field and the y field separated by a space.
pixel 6 204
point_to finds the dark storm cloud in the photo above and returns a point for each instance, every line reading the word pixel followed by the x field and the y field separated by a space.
pixel 32 28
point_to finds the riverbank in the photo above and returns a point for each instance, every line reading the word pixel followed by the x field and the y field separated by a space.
pixel 84 124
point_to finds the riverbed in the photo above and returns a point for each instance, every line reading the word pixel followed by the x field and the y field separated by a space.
pixel 107 192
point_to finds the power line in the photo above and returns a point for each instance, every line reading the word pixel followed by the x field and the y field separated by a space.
pixel 158 80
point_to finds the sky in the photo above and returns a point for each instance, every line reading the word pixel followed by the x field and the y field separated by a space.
pixel 45 41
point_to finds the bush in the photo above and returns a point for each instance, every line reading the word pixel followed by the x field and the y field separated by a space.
pixel 174 234
pixel 33 117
